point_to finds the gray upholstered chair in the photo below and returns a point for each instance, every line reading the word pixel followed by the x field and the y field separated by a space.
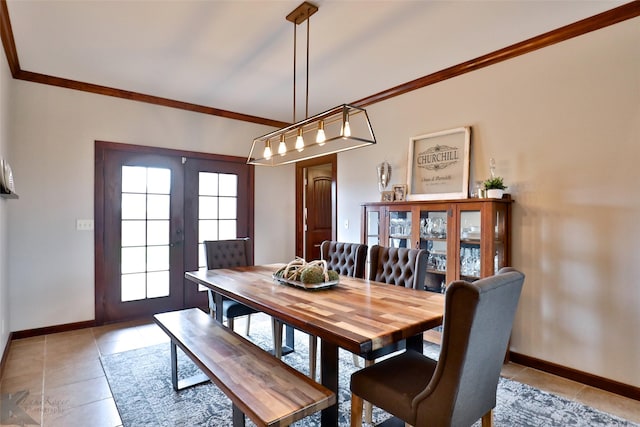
pixel 228 254
pixel 398 266
pixel 348 259
pixel 460 387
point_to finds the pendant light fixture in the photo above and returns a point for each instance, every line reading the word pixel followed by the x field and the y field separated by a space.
pixel 341 128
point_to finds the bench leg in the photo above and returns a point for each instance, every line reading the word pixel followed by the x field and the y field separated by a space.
pixel 238 416
pixel 174 366
pixel 178 385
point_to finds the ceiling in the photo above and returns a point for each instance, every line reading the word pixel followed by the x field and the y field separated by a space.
pixel 237 55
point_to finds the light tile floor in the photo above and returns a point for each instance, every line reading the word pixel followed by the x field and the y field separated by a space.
pixel 57 379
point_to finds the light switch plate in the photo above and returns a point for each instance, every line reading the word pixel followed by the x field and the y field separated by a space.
pixel 84 224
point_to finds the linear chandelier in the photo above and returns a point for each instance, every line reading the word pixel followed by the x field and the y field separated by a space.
pixel 341 128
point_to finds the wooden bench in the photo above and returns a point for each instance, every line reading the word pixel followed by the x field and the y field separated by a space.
pixel 265 389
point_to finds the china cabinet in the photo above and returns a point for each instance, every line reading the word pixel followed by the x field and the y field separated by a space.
pixel 465 239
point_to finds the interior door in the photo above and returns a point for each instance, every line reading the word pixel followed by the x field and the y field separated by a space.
pixel 318 209
pixel 316 183
pixel 153 209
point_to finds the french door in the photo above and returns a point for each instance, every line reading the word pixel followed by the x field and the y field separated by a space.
pixel 154 208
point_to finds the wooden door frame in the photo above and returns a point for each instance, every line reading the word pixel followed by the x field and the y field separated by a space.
pixel 331 159
pixel 101 147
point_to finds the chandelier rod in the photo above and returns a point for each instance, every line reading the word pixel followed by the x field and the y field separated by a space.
pixel 295 50
pixel 306 111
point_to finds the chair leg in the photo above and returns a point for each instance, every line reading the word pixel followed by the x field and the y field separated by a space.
pixel 230 322
pixel 356 411
pixel 276 327
pixel 248 324
pixel 313 351
pixel 487 419
pixel 368 407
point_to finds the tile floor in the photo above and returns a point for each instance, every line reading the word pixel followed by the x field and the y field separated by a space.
pixel 67 387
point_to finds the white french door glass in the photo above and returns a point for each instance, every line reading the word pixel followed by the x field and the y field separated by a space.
pixel 217 209
pixel 145 237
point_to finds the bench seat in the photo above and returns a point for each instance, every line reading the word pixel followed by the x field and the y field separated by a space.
pixel 260 386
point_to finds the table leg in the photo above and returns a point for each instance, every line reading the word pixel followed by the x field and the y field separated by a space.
pixel 217 298
pixel 329 378
pixel 416 343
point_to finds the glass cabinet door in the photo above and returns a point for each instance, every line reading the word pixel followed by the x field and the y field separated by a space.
pixel 372 228
pixel 399 229
pixel 433 239
pixel 499 233
pixel 470 238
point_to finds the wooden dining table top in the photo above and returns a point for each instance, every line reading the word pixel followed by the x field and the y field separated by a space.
pixel 358 315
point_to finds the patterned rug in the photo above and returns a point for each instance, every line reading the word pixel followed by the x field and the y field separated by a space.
pixel 140 381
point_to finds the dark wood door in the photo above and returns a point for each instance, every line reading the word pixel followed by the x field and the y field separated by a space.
pixel 316 185
pixel 318 209
pixel 154 207
pixel 218 206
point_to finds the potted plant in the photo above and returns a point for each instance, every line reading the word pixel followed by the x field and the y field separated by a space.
pixel 494 187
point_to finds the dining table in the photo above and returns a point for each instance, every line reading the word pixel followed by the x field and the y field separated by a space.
pixel 358 315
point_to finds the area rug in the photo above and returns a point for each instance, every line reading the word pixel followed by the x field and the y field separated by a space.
pixel 140 382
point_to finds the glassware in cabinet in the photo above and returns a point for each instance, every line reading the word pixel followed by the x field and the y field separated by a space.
pixel 470 244
pixel 433 238
pixel 399 229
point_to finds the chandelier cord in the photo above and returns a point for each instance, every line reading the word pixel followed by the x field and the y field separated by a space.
pixel 294 70
pixel 306 111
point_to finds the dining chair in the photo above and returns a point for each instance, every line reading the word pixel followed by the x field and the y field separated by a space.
pixel 460 387
pixel 347 259
pixel 396 266
pixel 228 254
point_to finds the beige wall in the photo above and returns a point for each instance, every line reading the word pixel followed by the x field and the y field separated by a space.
pixel 563 124
pixel 51 271
pixel 5 88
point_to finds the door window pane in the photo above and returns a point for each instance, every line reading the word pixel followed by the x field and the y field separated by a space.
pixel 208 207
pixel 158 207
pixel 145 225
pixel 227 229
pixel 133 286
pixel 134 179
pixel 158 181
pixel 134 206
pixel 158 232
pixel 133 260
pixel 228 185
pixel 217 209
pixel 157 258
pixel 158 284
pixel 133 233
pixel 208 184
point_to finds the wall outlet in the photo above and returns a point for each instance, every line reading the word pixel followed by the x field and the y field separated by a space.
pixel 84 224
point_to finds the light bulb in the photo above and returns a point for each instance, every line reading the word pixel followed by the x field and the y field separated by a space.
pixel 346 129
pixel 299 141
pixel 267 150
pixel 320 136
pixel 282 147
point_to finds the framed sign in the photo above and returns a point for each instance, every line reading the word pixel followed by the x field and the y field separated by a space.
pixel 439 165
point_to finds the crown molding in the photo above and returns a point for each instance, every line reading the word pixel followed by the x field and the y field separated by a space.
pixel 596 22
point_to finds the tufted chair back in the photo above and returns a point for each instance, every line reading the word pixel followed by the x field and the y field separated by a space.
pixel 348 259
pixel 228 253
pixel 398 266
